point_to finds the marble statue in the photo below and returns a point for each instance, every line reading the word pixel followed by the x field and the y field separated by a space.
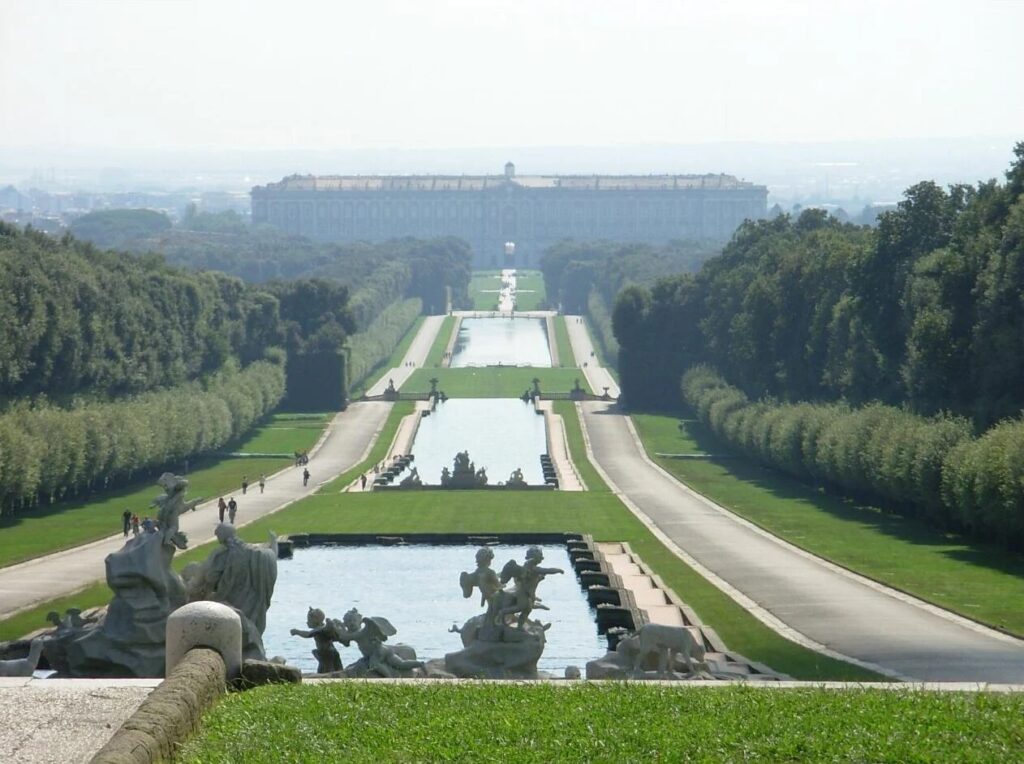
pixel 516 479
pixel 24 666
pixel 242 576
pixel 652 652
pixel 502 643
pixel 412 480
pixel 128 640
pixel 369 635
pixel 323 634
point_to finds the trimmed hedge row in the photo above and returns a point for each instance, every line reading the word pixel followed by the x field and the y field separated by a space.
pixel 47 452
pixel 601 323
pixel 932 468
pixel 369 348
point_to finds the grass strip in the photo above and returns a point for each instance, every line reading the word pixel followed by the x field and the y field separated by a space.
pixel 436 355
pixel 577 446
pixel 979 581
pixel 373 722
pixel 566 357
pixel 494 381
pixel 399 411
pixel 68 524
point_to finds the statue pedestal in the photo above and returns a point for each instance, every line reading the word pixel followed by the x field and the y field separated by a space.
pixel 497 652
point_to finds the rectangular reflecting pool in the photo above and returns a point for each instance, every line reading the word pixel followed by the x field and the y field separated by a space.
pixel 501 434
pixel 416 587
pixel 505 341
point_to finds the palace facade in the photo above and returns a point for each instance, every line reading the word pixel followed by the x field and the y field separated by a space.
pixel 493 211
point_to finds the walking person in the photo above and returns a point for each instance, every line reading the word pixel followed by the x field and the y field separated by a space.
pixel 245 484
pixel 126 522
pixel 362 481
pixel 232 510
pixel 263 482
pixel 222 507
pixel 305 478
pixel 135 525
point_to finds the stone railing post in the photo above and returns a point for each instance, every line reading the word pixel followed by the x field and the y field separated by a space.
pixel 205 624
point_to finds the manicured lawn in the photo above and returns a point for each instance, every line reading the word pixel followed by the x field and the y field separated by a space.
pixel 530 294
pixel 481 281
pixel 286 434
pixel 436 355
pixel 565 354
pixel 373 722
pixel 70 523
pixel 978 581
pixel 493 381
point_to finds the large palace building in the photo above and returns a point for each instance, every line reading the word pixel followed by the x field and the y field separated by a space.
pixel 492 212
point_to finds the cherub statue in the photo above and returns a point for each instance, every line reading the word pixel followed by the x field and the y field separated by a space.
pixel 170 505
pixel 527 577
pixel 322 633
pixel 369 634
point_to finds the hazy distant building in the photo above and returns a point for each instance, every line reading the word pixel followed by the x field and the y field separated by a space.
pixel 490 210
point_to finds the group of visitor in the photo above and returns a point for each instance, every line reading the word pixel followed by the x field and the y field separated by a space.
pixel 230 507
pixel 130 523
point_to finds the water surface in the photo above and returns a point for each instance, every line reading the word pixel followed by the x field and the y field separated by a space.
pixel 416 587
pixel 505 341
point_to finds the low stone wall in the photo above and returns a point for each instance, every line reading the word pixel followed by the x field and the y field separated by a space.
pixel 170 714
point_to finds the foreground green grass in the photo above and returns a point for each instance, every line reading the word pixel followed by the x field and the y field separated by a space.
pixel 436 355
pixel 373 722
pixel 493 381
pixel 483 289
pixel 70 523
pixel 978 581
pixel 530 294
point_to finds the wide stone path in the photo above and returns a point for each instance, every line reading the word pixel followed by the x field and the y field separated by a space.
pixel 830 606
pixel 345 443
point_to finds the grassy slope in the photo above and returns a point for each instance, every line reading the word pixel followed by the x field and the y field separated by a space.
pixel 68 524
pixel 493 382
pixel 980 582
pixel 373 722
pixel 530 294
pixel 599 351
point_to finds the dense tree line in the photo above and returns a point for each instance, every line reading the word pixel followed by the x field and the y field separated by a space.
pixel 48 452
pixel 586 277
pixel 368 349
pixel 79 320
pixel 118 228
pixel 923 311
pixel 929 467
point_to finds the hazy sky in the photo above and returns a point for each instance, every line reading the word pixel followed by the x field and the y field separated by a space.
pixel 386 73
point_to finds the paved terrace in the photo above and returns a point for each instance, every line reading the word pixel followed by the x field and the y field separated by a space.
pixel 806 598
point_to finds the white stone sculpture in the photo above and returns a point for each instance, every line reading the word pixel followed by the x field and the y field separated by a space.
pixel 241 576
pixel 502 643
pixel 23 666
pixel 205 624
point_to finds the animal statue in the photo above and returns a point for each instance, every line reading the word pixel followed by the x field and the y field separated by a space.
pixel 667 642
pixel 24 666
